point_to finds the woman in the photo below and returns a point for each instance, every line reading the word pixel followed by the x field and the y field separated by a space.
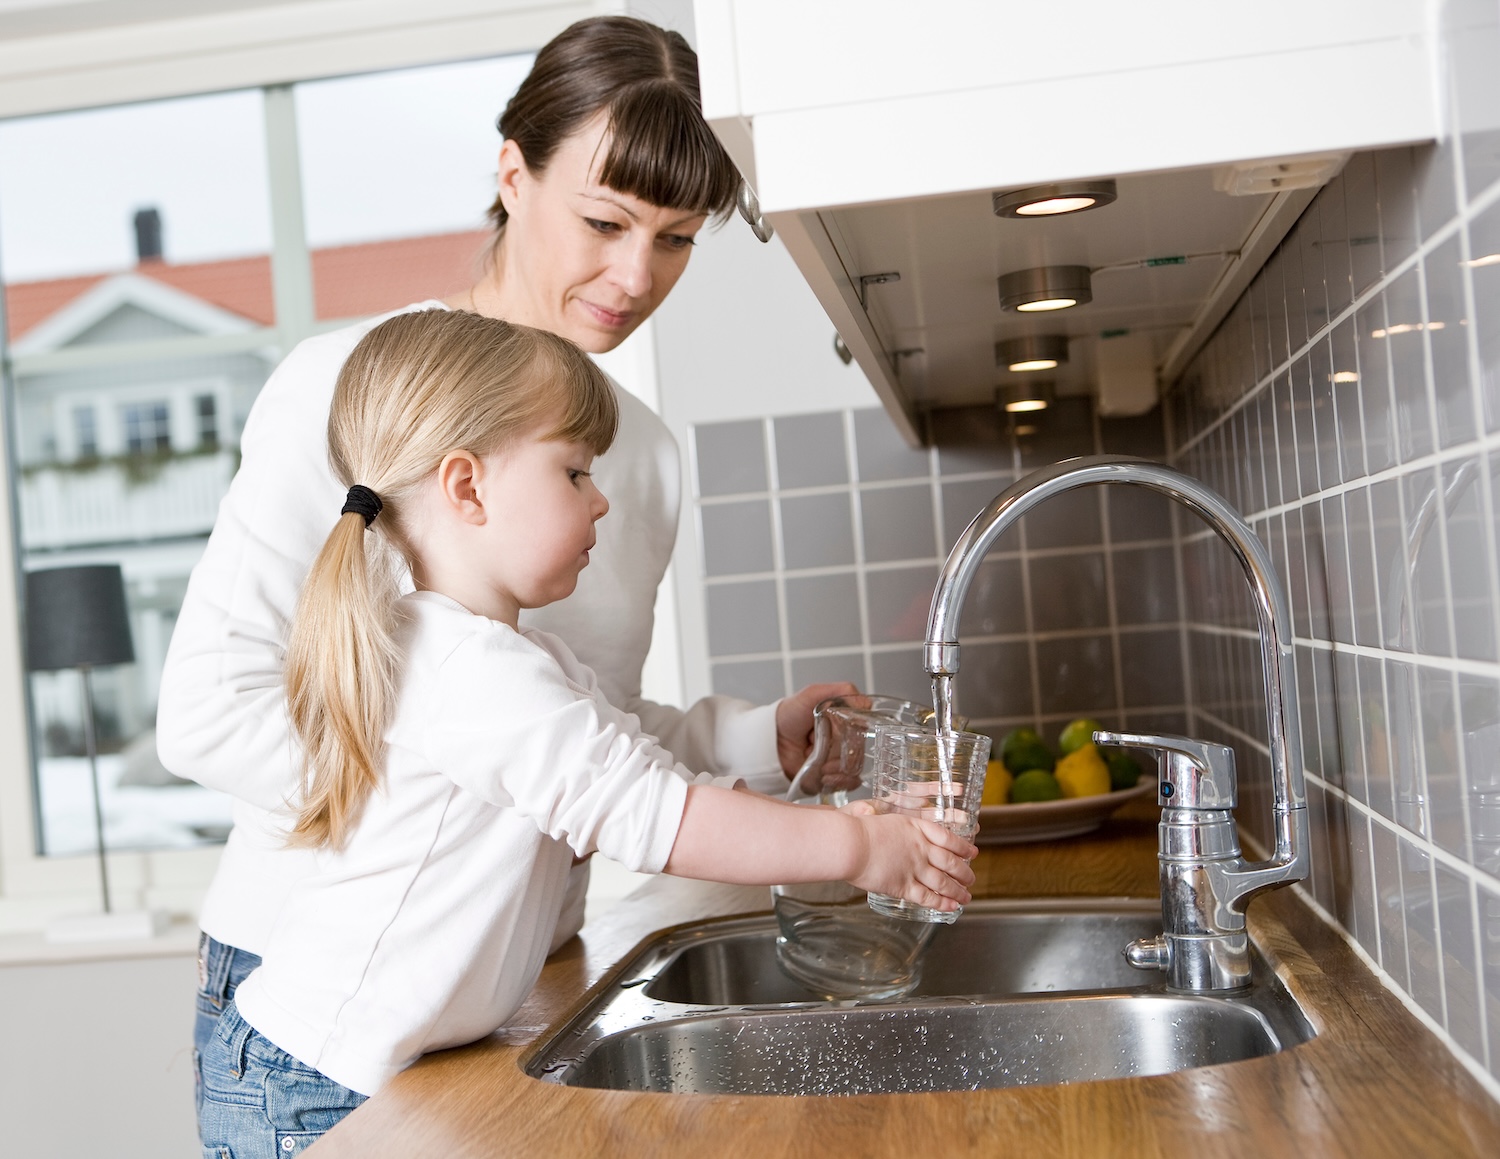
pixel 606 175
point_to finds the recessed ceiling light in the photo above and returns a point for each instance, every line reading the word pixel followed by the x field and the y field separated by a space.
pixel 1345 376
pixel 1024 397
pixel 1045 288
pixel 1051 200
pixel 1032 352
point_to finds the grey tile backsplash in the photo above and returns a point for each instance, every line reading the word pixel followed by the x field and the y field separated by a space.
pixel 819 564
pixel 1349 406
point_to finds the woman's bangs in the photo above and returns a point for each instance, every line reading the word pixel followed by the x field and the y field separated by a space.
pixel 662 151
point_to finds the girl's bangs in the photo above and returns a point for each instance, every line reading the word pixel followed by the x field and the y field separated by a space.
pixel 590 412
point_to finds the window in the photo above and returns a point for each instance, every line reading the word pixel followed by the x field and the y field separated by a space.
pixel 137 248
pixel 85 432
pixel 206 411
pixel 147 426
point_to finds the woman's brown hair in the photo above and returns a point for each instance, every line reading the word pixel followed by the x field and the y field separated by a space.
pixel 660 147
pixel 416 387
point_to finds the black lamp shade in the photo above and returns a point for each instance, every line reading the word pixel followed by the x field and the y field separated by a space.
pixel 76 617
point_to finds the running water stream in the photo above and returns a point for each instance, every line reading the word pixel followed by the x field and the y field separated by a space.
pixel 942 703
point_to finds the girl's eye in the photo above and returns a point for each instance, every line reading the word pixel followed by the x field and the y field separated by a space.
pixel 602 226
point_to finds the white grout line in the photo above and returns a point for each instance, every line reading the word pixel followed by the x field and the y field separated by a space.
pixel 857 514
pixel 1482 668
pixel 778 556
pixel 1487 501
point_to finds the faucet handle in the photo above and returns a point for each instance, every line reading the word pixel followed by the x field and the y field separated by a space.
pixel 1191 774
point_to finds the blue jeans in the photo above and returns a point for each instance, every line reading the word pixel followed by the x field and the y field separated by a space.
pixel 255 1101
pixel 221 969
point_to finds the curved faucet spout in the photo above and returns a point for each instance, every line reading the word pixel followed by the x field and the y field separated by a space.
pixel 1275 622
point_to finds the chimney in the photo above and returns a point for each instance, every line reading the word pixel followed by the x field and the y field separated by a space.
pixel 147 235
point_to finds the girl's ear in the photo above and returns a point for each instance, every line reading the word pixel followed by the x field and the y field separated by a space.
pixel 459 476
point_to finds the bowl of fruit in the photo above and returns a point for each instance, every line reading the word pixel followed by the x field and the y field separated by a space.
pixel 1033 793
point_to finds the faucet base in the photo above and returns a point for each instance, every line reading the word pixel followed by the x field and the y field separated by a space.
pixel 1201 962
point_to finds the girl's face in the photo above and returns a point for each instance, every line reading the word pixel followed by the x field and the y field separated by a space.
pixel 540 509
pixel 578 258
pixel 509 530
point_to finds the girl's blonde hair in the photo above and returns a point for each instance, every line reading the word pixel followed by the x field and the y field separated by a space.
pixel 415 388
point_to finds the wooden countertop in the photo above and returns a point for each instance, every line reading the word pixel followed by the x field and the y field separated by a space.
pixel 1374 1082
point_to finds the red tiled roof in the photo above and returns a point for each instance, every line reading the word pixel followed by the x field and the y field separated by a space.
pixel 348 281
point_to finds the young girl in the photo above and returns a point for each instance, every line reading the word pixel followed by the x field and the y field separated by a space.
pixel 456 765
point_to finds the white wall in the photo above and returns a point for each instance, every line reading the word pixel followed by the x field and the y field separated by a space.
pixel 742 336
pixel 96 1059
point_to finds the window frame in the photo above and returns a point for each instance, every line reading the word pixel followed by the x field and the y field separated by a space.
pixel 35 889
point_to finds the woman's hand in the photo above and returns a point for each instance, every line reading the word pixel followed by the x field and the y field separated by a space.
pixel 913 859
pixel 794 725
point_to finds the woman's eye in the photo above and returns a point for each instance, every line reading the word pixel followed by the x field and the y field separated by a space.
pixel 602 226
pixel 678 241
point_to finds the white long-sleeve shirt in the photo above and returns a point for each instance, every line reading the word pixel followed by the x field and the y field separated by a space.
pixel 429 927
pixel 221 719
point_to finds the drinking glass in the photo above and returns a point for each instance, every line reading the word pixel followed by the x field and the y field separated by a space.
pixel 936 776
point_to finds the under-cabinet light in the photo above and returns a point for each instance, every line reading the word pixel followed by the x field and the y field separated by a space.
pixel 1479 263
pixel 1051 200
pixel 1045 288
pixel 1032 352
pixel 1024 397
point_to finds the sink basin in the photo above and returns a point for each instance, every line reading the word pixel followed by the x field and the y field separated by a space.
pixel 994 949
pixel 1011 995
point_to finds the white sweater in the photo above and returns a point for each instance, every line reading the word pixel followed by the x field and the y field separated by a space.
pixel 221 720
pixel 429 928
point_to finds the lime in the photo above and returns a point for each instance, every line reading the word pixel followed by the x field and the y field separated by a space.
pixel 1076 734
pixel 1083 773
pixel 1035 785
pixel 1013 739
pixel 1031 756
pixel 997 781
pixel 1124 771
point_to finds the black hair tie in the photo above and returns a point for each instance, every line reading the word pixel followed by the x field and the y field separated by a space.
pixel 362 501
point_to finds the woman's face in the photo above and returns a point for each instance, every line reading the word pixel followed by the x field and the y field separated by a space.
pixel 578 258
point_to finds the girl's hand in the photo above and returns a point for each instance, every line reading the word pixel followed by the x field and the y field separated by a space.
pixel 913 859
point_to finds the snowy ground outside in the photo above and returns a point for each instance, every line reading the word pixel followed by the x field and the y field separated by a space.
pixel 136 817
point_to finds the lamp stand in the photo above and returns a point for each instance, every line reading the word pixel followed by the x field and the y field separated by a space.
pixel 110 925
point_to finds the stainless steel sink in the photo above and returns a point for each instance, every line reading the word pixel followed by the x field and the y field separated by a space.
pixel 1012 994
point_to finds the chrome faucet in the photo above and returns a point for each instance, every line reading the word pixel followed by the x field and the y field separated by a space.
pixel 1205 881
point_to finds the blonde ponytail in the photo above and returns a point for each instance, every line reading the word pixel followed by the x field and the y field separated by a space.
pixel 416 387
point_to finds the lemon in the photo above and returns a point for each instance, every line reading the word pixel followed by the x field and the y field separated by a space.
pixel 1076 734
pixel 1035 785
pixel 1083 773
pixel 997 781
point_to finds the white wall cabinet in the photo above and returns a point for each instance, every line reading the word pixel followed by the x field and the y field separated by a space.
pixel 922 110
